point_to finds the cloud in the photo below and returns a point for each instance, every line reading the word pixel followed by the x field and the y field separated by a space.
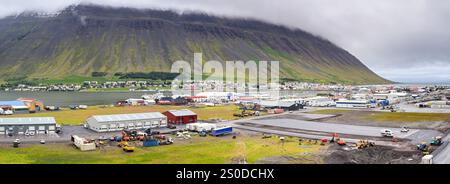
pixel 438 71
pixel 391 37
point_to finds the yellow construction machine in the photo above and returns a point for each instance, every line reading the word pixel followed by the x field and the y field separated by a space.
pixel 361 144
pixel 126 147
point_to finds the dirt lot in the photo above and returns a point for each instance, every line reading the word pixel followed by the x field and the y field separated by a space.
pixel 371 155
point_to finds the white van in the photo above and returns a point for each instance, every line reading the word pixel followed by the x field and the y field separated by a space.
pixel 387 133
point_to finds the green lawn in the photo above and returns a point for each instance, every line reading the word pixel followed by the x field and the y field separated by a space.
pixel 330 111
pixel 73 79
pixel 77 117
pixel 198 150
pixel 408 117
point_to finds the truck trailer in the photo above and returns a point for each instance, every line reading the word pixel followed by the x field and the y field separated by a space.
pixel 222 131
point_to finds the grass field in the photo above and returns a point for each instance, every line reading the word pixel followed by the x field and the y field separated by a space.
pixel 76 117
pixel 198 150
pixel 330 111
pixel 388 116
pixel 408 116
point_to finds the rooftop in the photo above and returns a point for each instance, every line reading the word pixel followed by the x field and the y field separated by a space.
pixel 277 103
pixel 127 117
pixel 28 121
pixel 12 103
pixel 183 112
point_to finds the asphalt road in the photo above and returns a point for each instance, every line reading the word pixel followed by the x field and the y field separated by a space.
pixel 331 127
pixel 313 136
pixel 68 131
pixel 415 135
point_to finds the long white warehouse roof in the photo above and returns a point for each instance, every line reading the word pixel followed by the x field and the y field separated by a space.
pixel 28 121
pixel 127 117
pixel 277 103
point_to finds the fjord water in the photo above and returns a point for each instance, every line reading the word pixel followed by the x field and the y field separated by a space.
pixel 72 98
pixel 65 99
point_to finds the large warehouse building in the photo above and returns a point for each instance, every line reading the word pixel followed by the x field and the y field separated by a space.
pixel 14 105
pixel 183 116
pixel 27 126
pixel 118 122
pixel 285 105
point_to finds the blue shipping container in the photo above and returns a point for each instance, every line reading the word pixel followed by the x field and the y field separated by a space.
pixel 151 142
pixel 222 131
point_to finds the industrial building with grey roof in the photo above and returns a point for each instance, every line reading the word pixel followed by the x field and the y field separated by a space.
pixel 118 122
pixel 27 126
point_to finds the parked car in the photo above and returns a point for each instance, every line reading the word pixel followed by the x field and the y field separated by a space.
pixel 51 108
pixel 387 133
pixel 8 112
pixel 404 130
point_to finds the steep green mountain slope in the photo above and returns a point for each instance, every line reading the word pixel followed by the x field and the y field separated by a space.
pixel 84 39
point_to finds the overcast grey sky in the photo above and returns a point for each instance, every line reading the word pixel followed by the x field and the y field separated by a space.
pixel 402 40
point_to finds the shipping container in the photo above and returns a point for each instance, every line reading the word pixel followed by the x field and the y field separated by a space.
pixel 150 142
pixel 222 131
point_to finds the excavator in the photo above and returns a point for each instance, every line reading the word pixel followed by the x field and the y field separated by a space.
pixel 245 113
pixel 424 147
pixel 338 140
pixel 128 135
pixel 427 148
pixel 361 144
pixel 436 141
pixel 126 147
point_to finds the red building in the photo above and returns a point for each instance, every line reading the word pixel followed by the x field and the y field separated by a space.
pixel 180 116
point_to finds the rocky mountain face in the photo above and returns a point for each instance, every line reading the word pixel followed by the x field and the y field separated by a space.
pixel 83 39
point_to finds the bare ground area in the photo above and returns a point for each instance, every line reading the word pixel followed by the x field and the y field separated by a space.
pixel 371 155
pixel 312 159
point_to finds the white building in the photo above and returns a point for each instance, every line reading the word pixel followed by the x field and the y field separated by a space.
pixel 343 103
pixel 27 126
pixel 218 96
pixel 360 96
pixel 320 101
pixel 118 122
pixel 392 97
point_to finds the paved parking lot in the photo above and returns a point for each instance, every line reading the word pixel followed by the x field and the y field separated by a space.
pixel 415 135
pixel 67 132
pixel 330 127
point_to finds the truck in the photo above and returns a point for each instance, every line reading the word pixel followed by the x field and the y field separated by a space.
pixel 198 127
pixel 6 112
pixel 245 113
pixel 427 159
pixel 222 131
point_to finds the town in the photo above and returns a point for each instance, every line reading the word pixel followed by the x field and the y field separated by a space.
pixel 320 115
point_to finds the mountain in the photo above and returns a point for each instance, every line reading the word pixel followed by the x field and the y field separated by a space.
pixel 83 39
